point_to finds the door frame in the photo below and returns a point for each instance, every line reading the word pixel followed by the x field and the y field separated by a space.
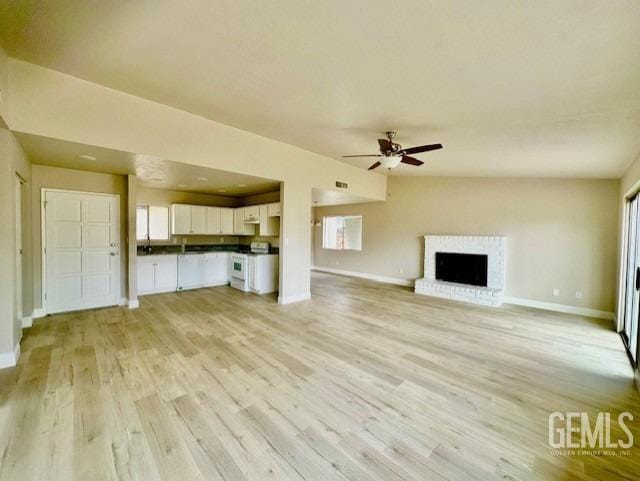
pixel 622 279
pixel 43 245
pixel 19 295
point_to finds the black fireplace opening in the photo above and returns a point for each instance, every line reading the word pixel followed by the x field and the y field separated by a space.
pixel 462 268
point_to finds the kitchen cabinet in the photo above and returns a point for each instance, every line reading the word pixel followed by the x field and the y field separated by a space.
pixel 209 220
pixel 213 220
pixel 226 220
pixel 180 219
pixel 198 219
pixel 219 221
pixel 273 209
pixel 252 213
pixel 157 274
pixel 216 269
pixel 240 227
pixel 262 273
pixel 268 226
pixel 252 273
pixel 188 219
pixel 146 277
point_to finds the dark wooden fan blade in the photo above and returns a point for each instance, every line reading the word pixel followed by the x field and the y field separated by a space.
pixel 421 148
pixel 411 160
pixel 385 145
pixel 366 155
pixel 377 164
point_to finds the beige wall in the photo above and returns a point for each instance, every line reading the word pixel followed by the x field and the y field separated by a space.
pixel 76 180
pixel 561 233
pixel 13 161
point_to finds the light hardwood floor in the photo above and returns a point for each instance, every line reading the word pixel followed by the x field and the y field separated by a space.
pixel 364 382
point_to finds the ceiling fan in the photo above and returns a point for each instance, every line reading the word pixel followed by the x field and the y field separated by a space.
pixel 392 154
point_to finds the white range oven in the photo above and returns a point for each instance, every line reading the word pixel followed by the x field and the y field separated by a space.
pixel 238 271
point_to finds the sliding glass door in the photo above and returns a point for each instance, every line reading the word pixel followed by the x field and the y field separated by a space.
pixel 632 288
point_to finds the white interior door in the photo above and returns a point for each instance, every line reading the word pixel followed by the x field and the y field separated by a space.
pixel 81 241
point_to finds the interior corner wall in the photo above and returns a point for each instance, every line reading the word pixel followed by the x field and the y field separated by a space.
pixel 12 161
pixel 74 180
pixel 561 234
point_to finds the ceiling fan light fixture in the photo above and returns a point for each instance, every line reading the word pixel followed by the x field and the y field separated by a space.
pixel 390 161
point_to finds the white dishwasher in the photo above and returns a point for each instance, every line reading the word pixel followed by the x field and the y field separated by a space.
pixel 190 271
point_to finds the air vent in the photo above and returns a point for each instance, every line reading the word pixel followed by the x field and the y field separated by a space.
pixel 341 185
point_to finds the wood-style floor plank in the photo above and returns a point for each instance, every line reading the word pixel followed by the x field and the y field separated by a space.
pixel 365 382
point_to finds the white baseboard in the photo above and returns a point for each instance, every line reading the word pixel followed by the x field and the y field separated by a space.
pixel 565 308
pixel 291 299
pixel 38 312
pixel 363 275
pixel 134 304
pixel 10 359
pixel 27 321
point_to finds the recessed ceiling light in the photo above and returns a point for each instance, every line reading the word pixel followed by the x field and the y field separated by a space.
pixel 242 185
pixel 183 185
pixel 203 179
pixel 221 190
pixel 87 157
pixel 155 179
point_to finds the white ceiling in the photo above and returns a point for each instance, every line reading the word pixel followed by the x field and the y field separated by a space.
pixel 544 88
pixel 151 171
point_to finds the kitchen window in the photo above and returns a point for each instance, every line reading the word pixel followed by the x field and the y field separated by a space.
pixel 152 222
pixel 342 232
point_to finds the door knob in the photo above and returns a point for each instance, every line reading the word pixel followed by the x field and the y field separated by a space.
pixel 113 254
pixel 637 278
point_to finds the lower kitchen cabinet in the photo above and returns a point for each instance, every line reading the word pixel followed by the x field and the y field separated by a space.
pixel 262 272
pixel 157 274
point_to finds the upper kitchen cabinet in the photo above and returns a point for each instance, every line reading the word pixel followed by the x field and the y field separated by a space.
pixel 213 220
pixel 188 219
pixel 226 220
pixel 252 213
pixel 219 220
pixel 268 226
pixel 273 210
pixel 240 227
pixel 198 219
pixel 210 220
pixel 181 219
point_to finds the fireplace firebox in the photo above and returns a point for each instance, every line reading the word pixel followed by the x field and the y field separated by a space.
pixel 462 268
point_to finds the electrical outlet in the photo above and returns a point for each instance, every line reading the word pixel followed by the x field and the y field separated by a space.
pixel 184 240
pixel 578 294
pixel 400 271
pixel 556 292
pixel 221 240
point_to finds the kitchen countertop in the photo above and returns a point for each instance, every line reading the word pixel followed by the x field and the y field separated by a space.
pixel 198 249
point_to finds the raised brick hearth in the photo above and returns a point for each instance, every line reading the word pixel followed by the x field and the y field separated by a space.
pixel 494 247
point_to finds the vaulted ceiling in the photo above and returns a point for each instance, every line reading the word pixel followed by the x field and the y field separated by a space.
pixel 545 88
